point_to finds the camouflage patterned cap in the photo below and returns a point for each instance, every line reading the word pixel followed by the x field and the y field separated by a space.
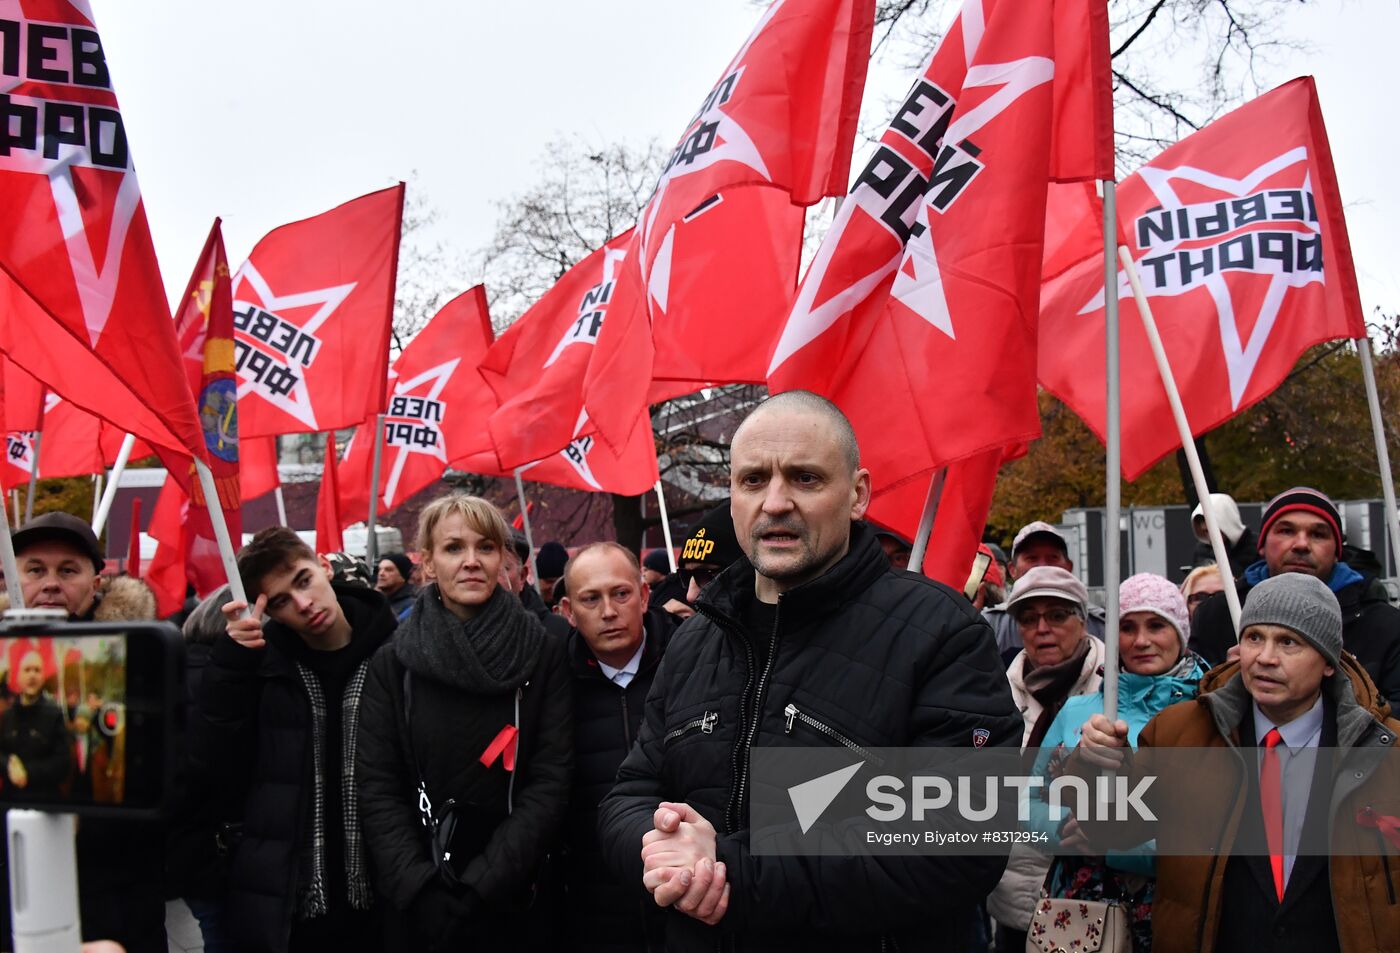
pixel 349 570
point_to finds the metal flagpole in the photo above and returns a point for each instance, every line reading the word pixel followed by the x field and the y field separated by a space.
pixel 525 522
pixel 7 561
pixel 96 493
pixel 281 506
pixel 372 540
pixel 1113 485
pixel 114 480
pixel 935 493
pixel 33 478
pixel 1392 520
pixel 14 504
pixel 216 519
pixel 1188 443
pixel 666 526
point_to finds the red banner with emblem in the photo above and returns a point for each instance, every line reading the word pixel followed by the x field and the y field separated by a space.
pixel 1242 248
pixel 917 316
pixel 82 305
pixel 437 407
pixel 312 310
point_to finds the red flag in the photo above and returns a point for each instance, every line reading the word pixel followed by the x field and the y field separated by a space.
pixel 713 262
pixel 917 316
pixel 537 366
pixel 133 555
pixel 24 398
pixel 82 305
pixel 166 574
pixel 437 407
pixel 959 522
pixel 587 463
pixel 312 307
pixel 328 538
pixel 1242 247
pixel 257 467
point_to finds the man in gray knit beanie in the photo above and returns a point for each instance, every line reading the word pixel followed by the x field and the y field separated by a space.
pixel 1290 640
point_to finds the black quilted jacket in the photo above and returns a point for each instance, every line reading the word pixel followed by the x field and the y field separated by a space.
pixel 888 659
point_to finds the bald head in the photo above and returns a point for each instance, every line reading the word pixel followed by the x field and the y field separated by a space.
pixel 805 402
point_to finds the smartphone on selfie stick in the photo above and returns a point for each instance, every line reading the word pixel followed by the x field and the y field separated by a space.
pixel 91 722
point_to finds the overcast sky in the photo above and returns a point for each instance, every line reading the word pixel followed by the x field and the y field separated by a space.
pixel 267 111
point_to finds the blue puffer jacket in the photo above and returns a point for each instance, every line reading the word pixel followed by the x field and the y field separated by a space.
pixel 1140 698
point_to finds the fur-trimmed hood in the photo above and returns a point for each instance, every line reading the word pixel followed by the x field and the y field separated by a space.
pixel 119 599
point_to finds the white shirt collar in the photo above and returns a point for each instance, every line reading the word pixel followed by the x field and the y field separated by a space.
pixel 623 676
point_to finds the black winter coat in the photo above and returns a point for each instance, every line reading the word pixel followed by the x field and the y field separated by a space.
pixel 252 735
pixel 601 912
pixel 37 735
pixel 505 820
pixel 1370 631
pixel 888 659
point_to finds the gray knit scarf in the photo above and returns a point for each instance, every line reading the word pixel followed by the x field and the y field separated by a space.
pixel 492 653
pixel 311 879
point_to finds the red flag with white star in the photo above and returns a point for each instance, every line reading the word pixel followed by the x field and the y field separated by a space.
pixel 715 252
pixel 437 405
pixel 586 463
pixel 312 309
pixel 1242 248
pixel 82 305
pixel 536 368
pixel 917 316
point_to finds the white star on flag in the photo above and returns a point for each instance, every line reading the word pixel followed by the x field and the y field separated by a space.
pixel 297 402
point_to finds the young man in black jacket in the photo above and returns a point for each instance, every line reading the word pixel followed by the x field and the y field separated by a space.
pixel 614 649
pixel 811 623
pixel 278 719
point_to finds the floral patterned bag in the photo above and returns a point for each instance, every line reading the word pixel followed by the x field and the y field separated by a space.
pixel 1077 926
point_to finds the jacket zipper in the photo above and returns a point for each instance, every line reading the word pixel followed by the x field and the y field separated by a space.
pixel 705 723
pixel 626 726
pixel 746 738
pixel 794 715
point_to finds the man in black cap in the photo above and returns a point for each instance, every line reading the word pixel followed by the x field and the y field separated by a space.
pixel 395 569
pixel 549 568
pixel 706 552
pixel 1302 532
pixel 515 576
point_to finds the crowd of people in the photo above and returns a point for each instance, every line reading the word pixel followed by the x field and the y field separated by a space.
pixel 450 753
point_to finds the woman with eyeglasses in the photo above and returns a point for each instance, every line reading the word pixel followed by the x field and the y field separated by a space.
pixel 1059 659
pixel 466 747
pixel 1156 670
pixel 1200 584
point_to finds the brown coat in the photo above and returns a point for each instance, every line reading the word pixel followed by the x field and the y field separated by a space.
pixel 1186 909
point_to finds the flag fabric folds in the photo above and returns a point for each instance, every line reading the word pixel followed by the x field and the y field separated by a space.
pixel 536 368
pixel 1242 249
pixel 714 253
pixel 437 406
pixel 313 305
pixel 328 525
pixel 82 305
pixel 917 315
pixel 183 525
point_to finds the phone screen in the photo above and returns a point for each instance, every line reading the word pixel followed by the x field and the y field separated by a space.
pixel 85 718
pixel 980 562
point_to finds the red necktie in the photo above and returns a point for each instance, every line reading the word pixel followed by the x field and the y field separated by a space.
pixel 1271 800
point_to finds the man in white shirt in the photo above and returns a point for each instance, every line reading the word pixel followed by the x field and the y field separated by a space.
pixel 614 649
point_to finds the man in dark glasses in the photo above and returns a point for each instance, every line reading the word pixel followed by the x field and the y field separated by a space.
pixel 710 547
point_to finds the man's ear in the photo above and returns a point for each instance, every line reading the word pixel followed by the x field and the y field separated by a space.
pixel 860 487
pixel 567 611
pixel 325 565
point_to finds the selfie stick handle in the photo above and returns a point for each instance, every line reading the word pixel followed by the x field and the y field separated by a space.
pixel 44 882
